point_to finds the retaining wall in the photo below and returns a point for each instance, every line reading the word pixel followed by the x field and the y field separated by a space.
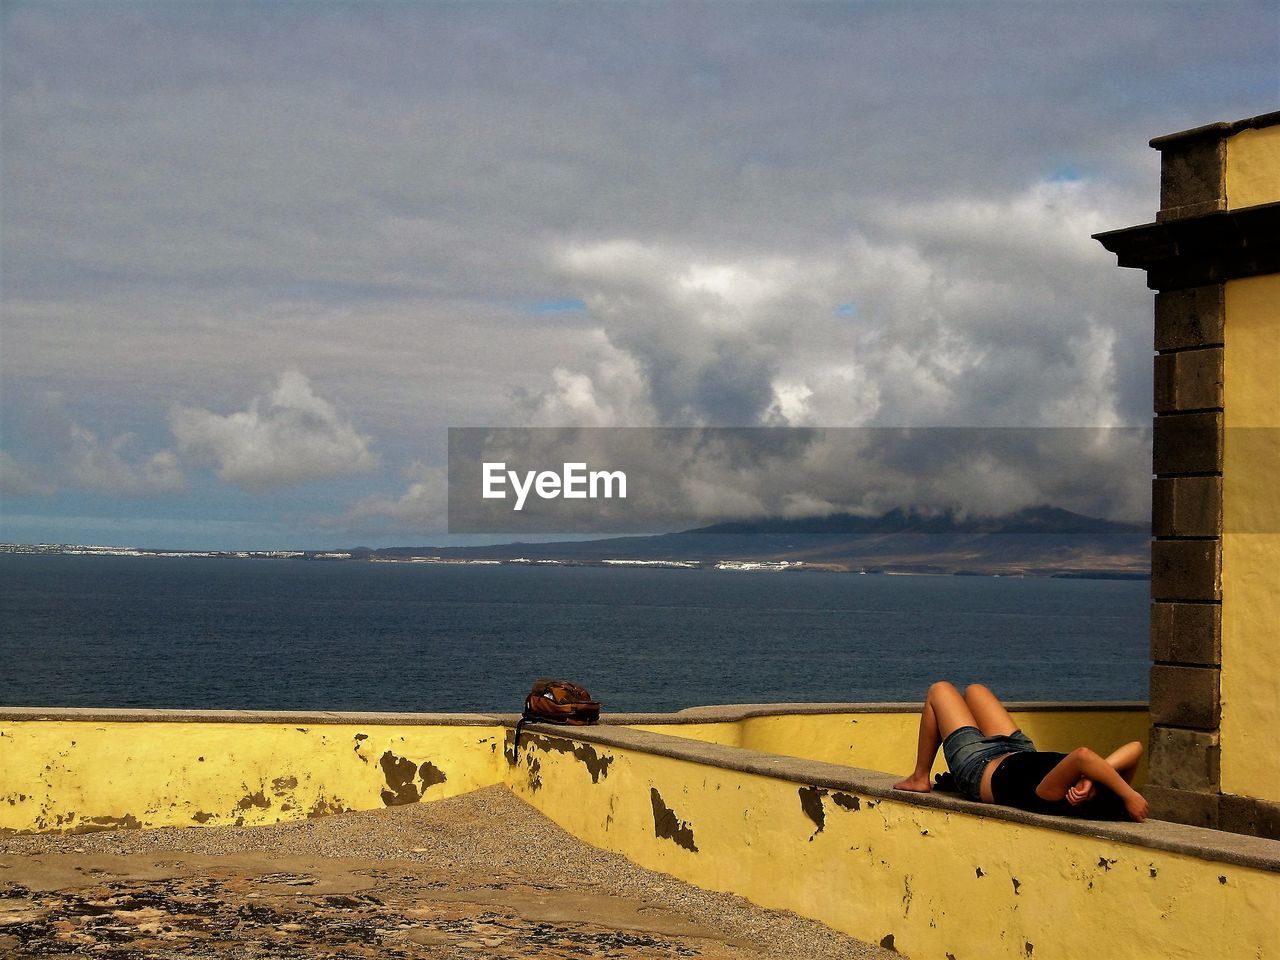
pixel 741 799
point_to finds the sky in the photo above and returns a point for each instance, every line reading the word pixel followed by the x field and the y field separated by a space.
pixel 257 258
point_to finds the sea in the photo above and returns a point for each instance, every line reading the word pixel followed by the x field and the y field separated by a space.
pixel 215 633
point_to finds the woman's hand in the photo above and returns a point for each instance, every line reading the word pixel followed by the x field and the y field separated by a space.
pixel 1081 791
pixel 1136 804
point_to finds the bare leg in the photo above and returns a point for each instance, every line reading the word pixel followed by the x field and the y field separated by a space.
pixel 944 711
pixel 992 718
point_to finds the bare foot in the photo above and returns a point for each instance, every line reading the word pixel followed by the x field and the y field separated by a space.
pixel 915 784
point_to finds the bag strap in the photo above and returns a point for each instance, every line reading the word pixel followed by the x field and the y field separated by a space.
pixel 515 747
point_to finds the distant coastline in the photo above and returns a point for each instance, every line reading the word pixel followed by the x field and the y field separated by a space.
pixel 1039 541
pixel 741 566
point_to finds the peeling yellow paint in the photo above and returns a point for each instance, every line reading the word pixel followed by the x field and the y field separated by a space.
pixel 66 775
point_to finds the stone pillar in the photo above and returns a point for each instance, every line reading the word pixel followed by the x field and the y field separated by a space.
pixel 1186 556
pixel 1218 225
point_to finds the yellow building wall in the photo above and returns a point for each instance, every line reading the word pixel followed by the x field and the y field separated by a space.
pixel 1250 684
pixel 1253 167
pixel 930 883
pixel 887 740
pixel 78 776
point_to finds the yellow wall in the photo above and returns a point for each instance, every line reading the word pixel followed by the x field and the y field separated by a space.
pixel 1251 538
pixel 74 775
pixel 938 882
pixel 887 741
pixel 1253 167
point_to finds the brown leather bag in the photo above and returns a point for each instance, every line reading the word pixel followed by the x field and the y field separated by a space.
pixel 559 701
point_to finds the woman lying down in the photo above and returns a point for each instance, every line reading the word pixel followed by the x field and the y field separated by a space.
pixel 993 761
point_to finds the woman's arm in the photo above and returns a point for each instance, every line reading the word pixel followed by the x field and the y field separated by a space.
pixel 1083 762
pixel 1125 761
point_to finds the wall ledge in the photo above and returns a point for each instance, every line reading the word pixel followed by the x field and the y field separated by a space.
pixel 1213 845
pixel 731 712
pixel 139 715
pixel 725 713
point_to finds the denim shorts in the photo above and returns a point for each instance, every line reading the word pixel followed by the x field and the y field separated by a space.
pixel 968 752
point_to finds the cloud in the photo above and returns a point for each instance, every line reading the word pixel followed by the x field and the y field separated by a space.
pixel 290 438
pixel 103 467
pixel 20 480
pixel 61 453
pixel 422 508
pixel 968 314
pixel 686 336
pixel 615 391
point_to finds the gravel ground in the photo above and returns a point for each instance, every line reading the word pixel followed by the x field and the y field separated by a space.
pixel 481 875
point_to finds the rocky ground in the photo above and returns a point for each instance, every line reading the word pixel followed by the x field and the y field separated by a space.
pixel 478 876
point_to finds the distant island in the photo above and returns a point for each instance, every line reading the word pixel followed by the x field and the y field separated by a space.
pixel 1041 541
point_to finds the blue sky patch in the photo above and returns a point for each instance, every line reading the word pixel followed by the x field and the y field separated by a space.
pixel 565 305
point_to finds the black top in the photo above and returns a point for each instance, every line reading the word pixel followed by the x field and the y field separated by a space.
pixel 1014 781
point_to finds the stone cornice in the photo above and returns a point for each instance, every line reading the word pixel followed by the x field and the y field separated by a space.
pixel 1191 252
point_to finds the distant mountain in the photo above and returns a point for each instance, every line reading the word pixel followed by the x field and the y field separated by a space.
pixel 1037 541
pixel 1040 520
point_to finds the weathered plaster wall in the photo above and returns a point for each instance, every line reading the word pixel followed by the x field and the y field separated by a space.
pixel 74 775
pixel 1253 167
pixel 932 876
pixel 886 740
pixel 929 882
pixel 1251 536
